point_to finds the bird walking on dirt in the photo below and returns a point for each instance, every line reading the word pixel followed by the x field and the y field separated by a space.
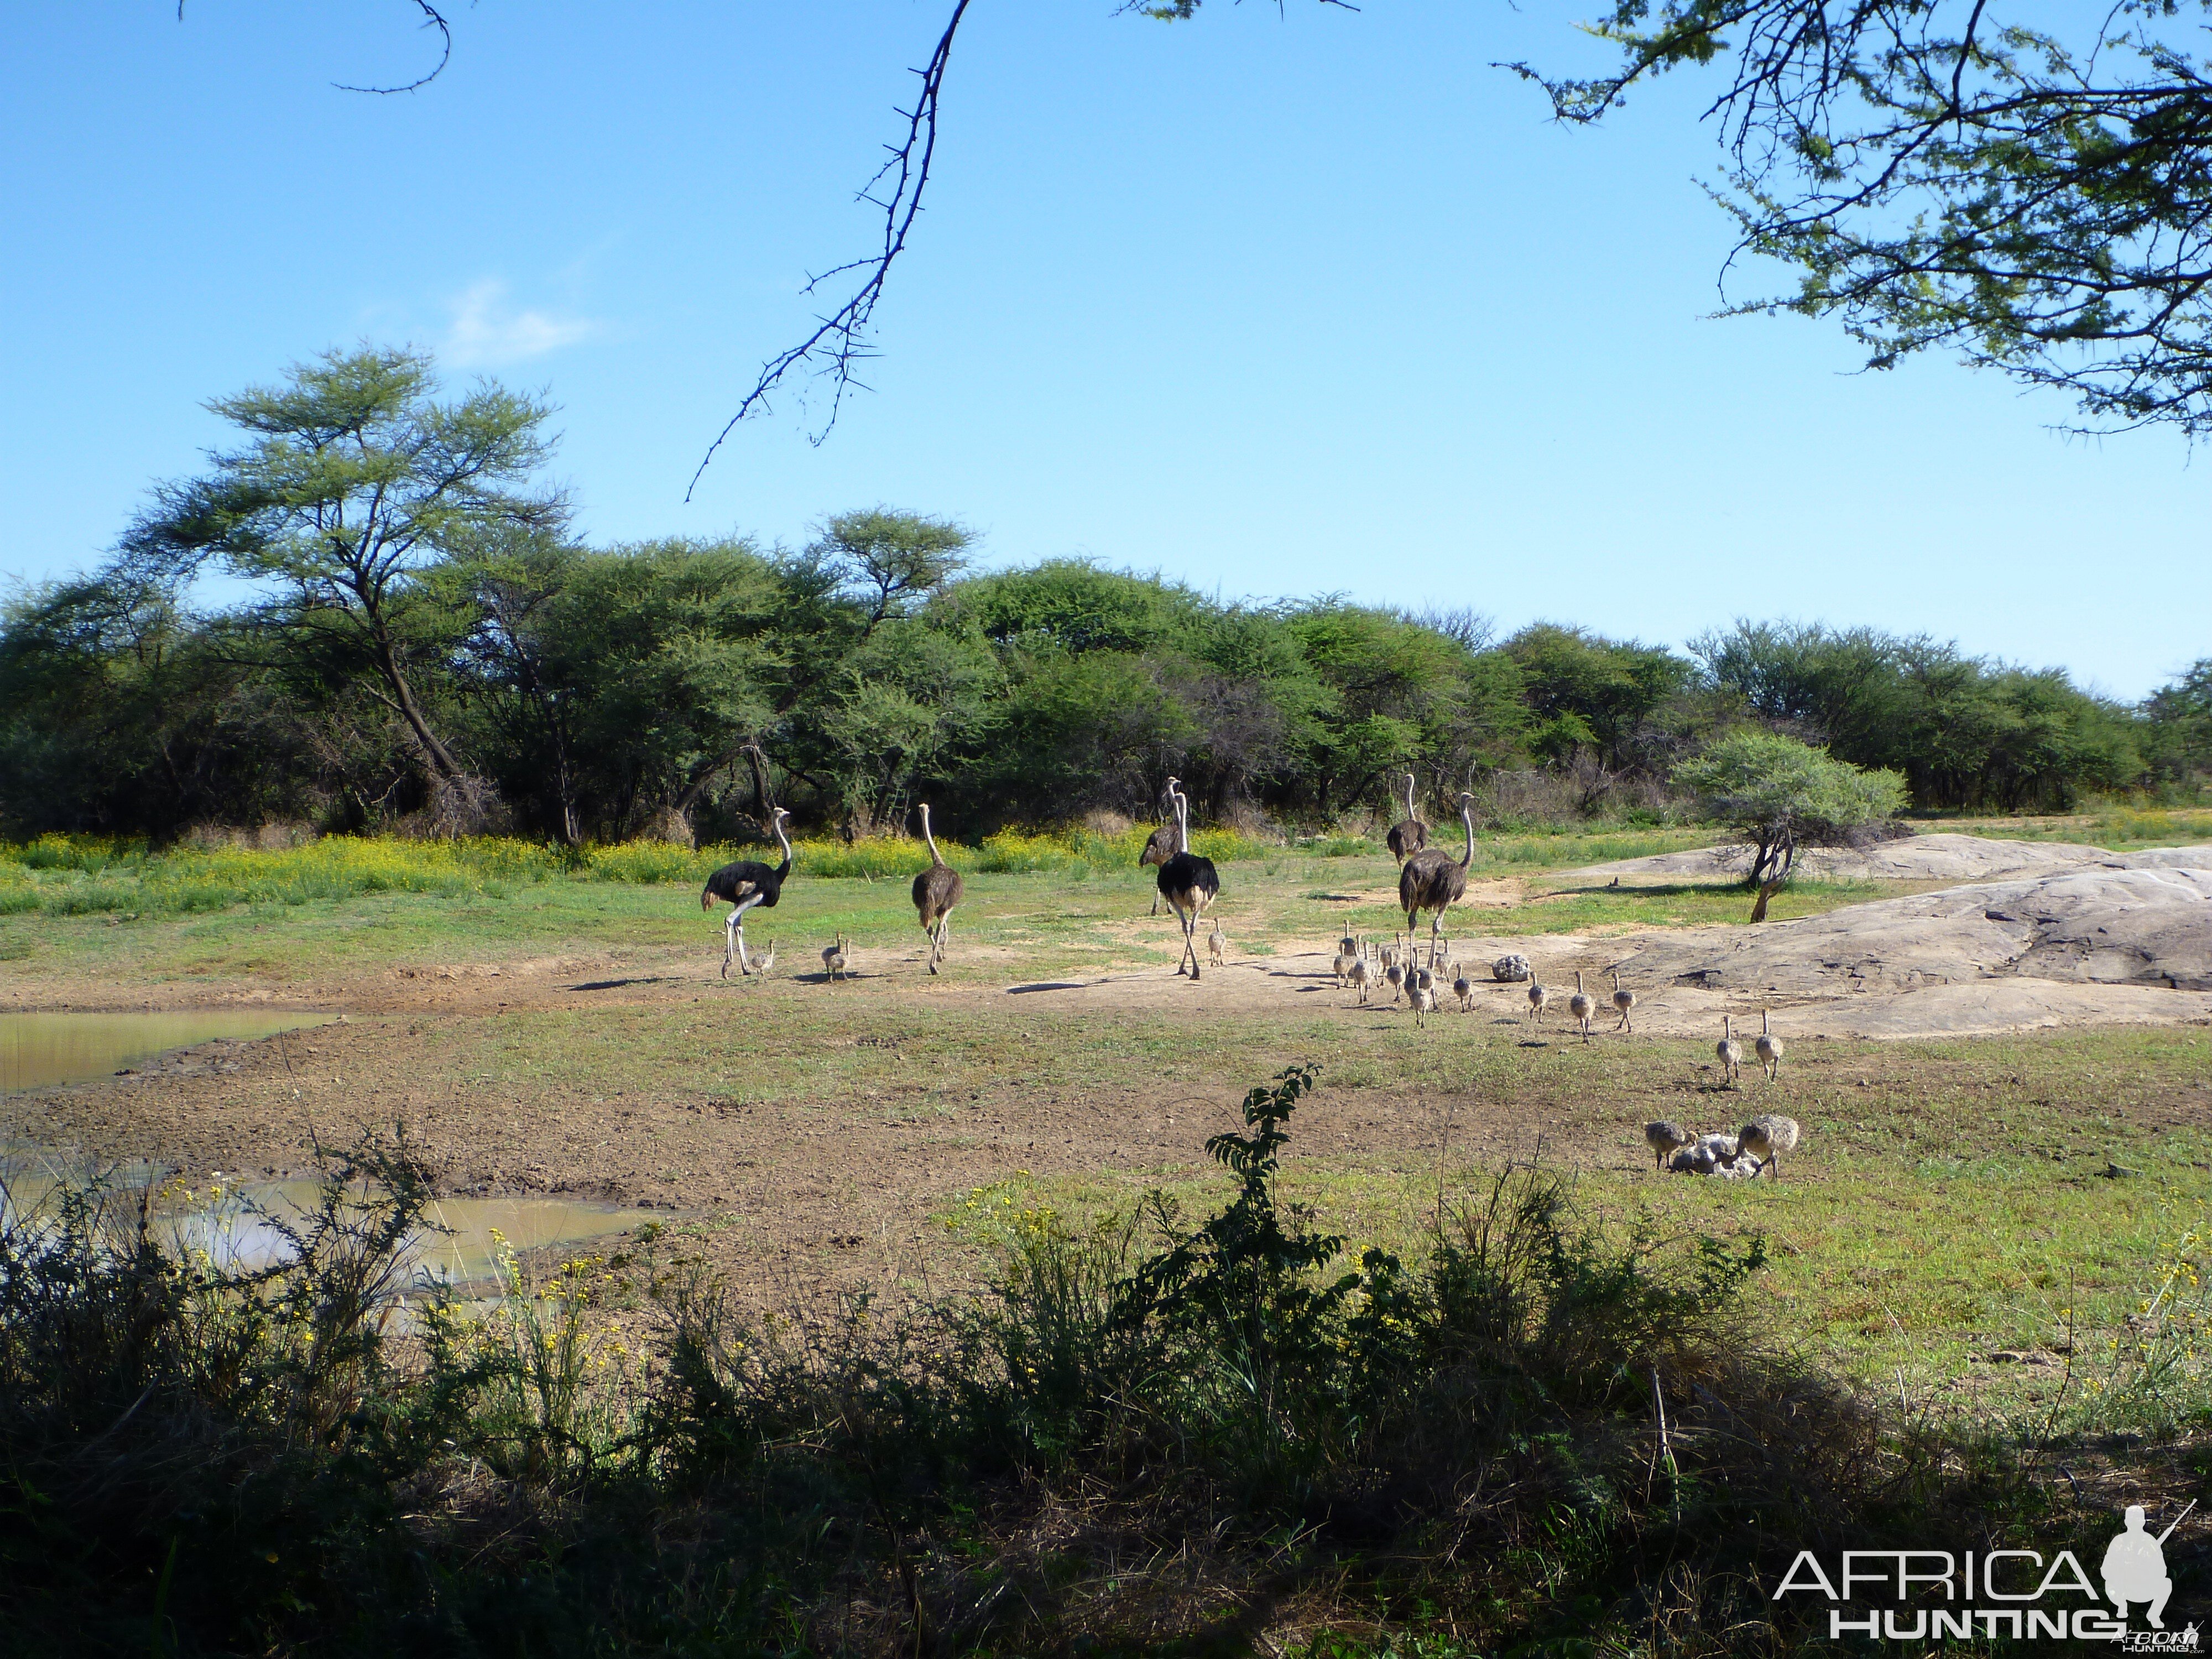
pixel 936 890
pixel 1217 945
pixel 1160 848
pixel 1663 1139
pixel 1463 988
pixel 834 960
pixel 1729 1052
pixel 1434 881
pixel 748 885
pixel 1187 881
pixel 1625 1001
pixel 1538 996
pixel 1581 1006
pixel 1767 1046
pixel 1766 1137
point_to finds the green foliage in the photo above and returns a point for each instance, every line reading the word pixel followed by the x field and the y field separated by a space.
pixel 1780 794
pixel 353 481
pixel 424 648
pixel 2024 192
pixel 1962 733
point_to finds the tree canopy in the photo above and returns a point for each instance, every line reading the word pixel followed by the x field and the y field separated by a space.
pixel 354 479
pixel 1780 794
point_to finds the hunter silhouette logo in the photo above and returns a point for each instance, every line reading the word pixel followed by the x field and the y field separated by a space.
pixel 2134 1566
pixel 2016 1594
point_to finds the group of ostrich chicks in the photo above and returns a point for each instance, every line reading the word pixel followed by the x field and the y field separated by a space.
pixel 1428 879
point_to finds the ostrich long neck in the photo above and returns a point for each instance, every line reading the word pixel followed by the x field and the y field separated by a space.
pixel 1466 818
pixel 1409 794
pixel 1182 823
pixel 786 840
pixel 935 857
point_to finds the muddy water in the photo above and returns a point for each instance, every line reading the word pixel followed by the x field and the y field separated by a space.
pixel 232 1221
pixel 236 1225
pixel 38 1050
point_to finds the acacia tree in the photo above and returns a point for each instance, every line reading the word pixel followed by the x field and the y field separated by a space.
pixel 355 481
pixel 2030 188
pixel 1780 794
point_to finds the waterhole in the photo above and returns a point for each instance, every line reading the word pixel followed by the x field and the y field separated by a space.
pixel 39 1050
pixel 234 1220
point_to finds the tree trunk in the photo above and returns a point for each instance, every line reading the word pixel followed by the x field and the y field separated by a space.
pixel 1766 892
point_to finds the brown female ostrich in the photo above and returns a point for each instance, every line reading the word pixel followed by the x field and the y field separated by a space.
pixel 936 890
pixel 1187 882
pixel 746 883
pixel 1430 881
pixel 1409 835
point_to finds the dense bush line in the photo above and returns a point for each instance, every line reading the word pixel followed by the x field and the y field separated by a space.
pixel 423 642
pixel 141 718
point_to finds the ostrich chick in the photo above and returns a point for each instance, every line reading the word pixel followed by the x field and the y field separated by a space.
pixel 1342 966
pixel 1217 945
pixel 1538 996
pixel 1581 1006
pixel 1359 978
pixel 1664 1138
pixel 1729 1052
pixel 1463 988
pixel 1394 976
pixel 1767 1046
pixel 834 961
pixel 1766 1137
pixel 1624 1000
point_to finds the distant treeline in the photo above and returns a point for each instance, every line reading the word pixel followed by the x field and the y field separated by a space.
pixel 675 686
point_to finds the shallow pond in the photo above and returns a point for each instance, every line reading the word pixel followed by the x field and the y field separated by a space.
pixel 39 1050
pixel 231 1220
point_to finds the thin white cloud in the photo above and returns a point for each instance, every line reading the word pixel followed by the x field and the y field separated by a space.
pixel 487 331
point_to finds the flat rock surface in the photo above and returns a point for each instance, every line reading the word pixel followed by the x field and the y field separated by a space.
pixel 1940 857
pixel 2146 927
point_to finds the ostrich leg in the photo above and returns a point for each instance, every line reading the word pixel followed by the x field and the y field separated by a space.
pixel 734 939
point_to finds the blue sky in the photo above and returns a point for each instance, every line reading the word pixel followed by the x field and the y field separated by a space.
pixel 1278 305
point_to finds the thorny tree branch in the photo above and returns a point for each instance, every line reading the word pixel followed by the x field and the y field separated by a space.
pixel 1943 177
pixel 431 20
pixel 839 343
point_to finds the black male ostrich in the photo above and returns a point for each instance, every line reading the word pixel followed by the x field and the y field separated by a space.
pixel 936 890
pixel 1160 848
pixel 746 883
pixel 1409 835
pixel 1431 881
pixel 1187 881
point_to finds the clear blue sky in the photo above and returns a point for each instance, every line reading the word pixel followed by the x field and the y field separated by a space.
pixel 1275 304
